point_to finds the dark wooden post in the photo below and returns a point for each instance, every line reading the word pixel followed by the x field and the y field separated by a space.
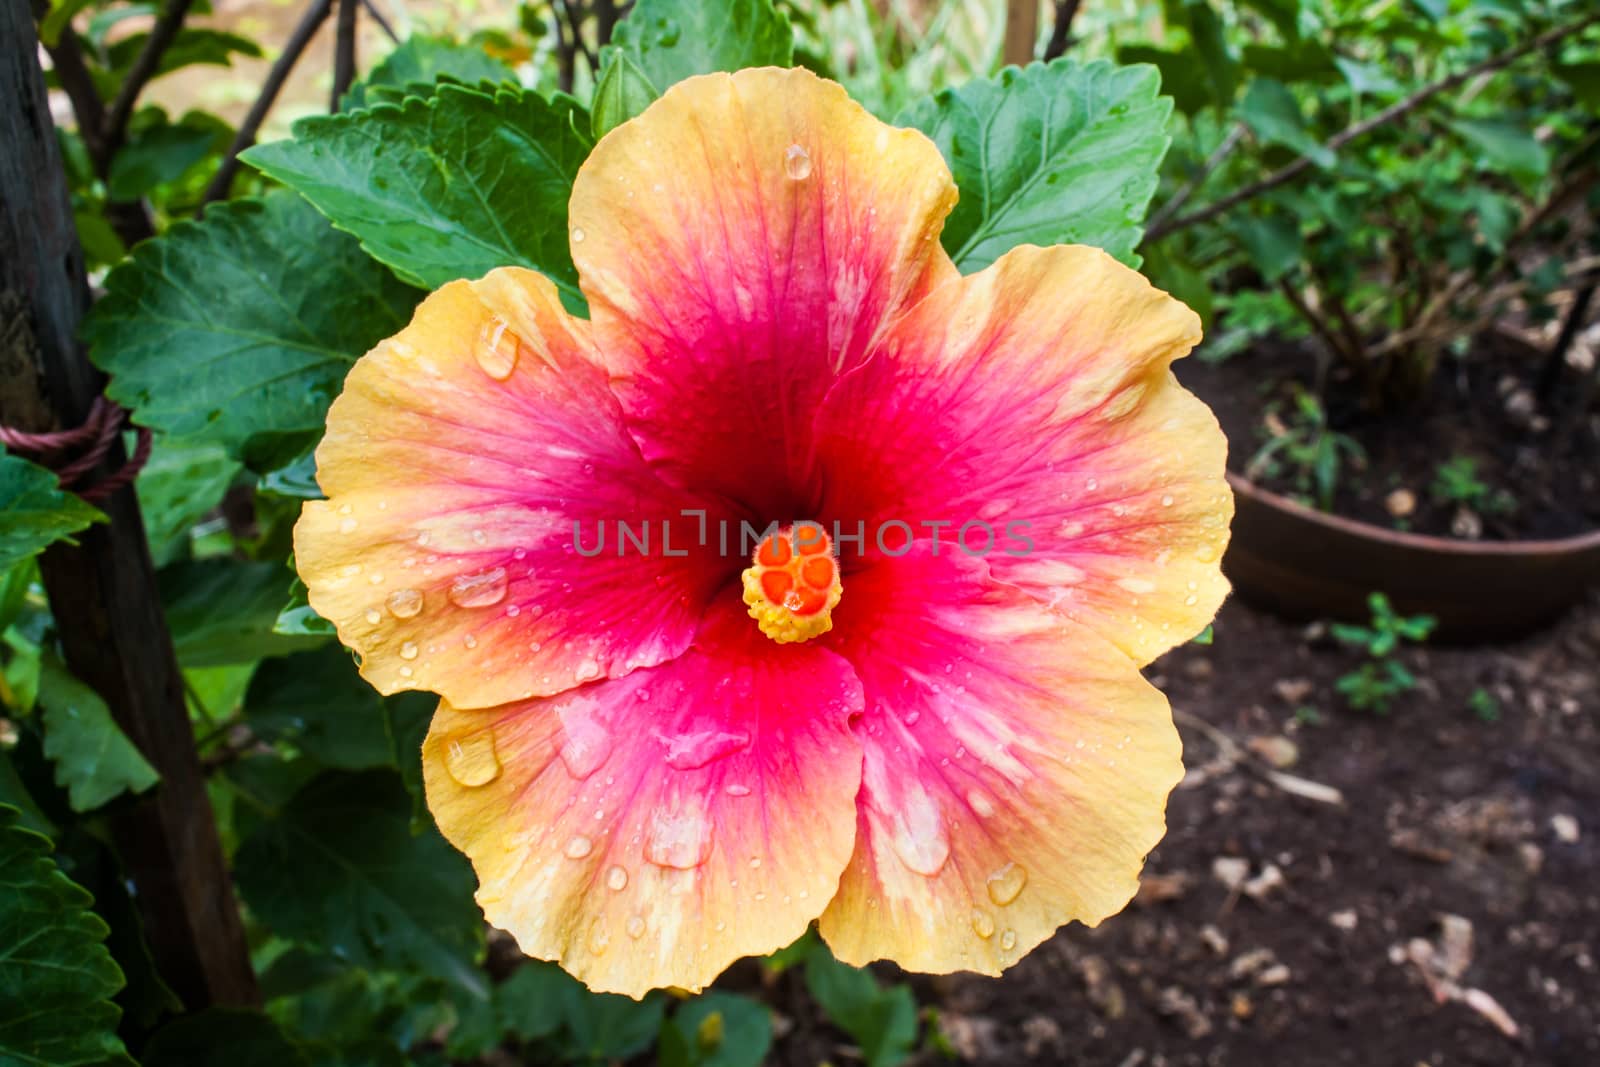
pixel 103 591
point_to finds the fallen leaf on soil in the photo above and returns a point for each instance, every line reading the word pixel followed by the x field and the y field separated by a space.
pixel 1411 843
pixel 1231 871
pixel 1279 751
pixel 1293 691
pixel 1269 879
pixel 1181 1006
pixel 1305 788
pixel 1156 888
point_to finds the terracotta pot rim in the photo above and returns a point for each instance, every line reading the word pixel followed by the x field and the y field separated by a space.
pixel 1421 542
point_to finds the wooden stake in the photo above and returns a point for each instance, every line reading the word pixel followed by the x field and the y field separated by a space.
pixel 103 590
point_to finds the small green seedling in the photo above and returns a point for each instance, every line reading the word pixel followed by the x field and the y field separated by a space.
pixel 1456 482
pixel 1374 685
pixel 1309 452
pixel 1483 704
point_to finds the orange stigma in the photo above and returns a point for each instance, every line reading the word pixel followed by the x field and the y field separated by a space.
pixel 792 585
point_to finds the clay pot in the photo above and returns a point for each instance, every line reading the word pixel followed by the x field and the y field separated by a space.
pixel 1306 564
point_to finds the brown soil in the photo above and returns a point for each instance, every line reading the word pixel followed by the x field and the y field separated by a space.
pixel 1456 880
pixel 1483 408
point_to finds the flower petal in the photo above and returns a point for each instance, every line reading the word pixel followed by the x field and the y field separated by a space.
pixel 1033 400
pixel 741 243
pixel 457 462
pixel 649 830
pixel 1016 770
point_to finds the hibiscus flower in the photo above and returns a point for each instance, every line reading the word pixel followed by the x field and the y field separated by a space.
pixel 912 711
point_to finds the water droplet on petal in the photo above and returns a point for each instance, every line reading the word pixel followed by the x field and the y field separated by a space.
pixel 1166 500
pixel 587 671
pixel 578 235
pixel 1008 940
pixel 981 803
pixel 797 163
pixel 348 526
pixel 479 590
pixel 617 878
pixel 471 760
pixel 599 937
pixel 408 650
pixel 405 603
pixel 734 789
pixel 918 833
pixel 679 839
pixel 585 742
pixel 496 350
pixel 578 847
pixel 982 923
pixel 635 927
pixel 374 617
pixel 689 751
pixel 1006 883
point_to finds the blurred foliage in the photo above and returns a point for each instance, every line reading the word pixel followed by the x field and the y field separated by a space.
pixel 229 335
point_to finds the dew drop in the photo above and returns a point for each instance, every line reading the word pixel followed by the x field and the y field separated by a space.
pixel 1006 883
pixel 918 834
pixel 405 603
pixel 585 742
pixel 1008 940
pixel 1166 501
pixel 578 235
pixel 578 847
pixel 471 760
pixel 617 878
pixel 496 350
pixel 982 923
pixel 797 163
pixel 479 590
pixel 678 839
pixel 470 641
pixel 689 751
pixel 348 526
pixel 635 927
pixel 599 937
pixel 980 803
pixel 734 789
pixel 408 650
pixel 587 671
pixel 374 617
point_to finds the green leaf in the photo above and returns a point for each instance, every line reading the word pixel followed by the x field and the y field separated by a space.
pixel 192 45
pixel 182 481
pixel 1584 81
pixel 224 611
pixel 58 18
pixel 607 1027
pixel 1049 154
pixel 1182 76
pixel 35 512
pixel 242 325
pixel 672 40
pixel 1366 77
pixel 152 156
pixel 338 867
pixel 318 701
pixel 882 1021
pixel 422 60
pixel 1506 145
pixel 1273 243
pixel 298 619
pixel 222 1036
pixel 56 976
pixel 1272 111
pixel 532 1002
pixel 94 759
pixel 448 187
pixel 717 1030
pixel 624 91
